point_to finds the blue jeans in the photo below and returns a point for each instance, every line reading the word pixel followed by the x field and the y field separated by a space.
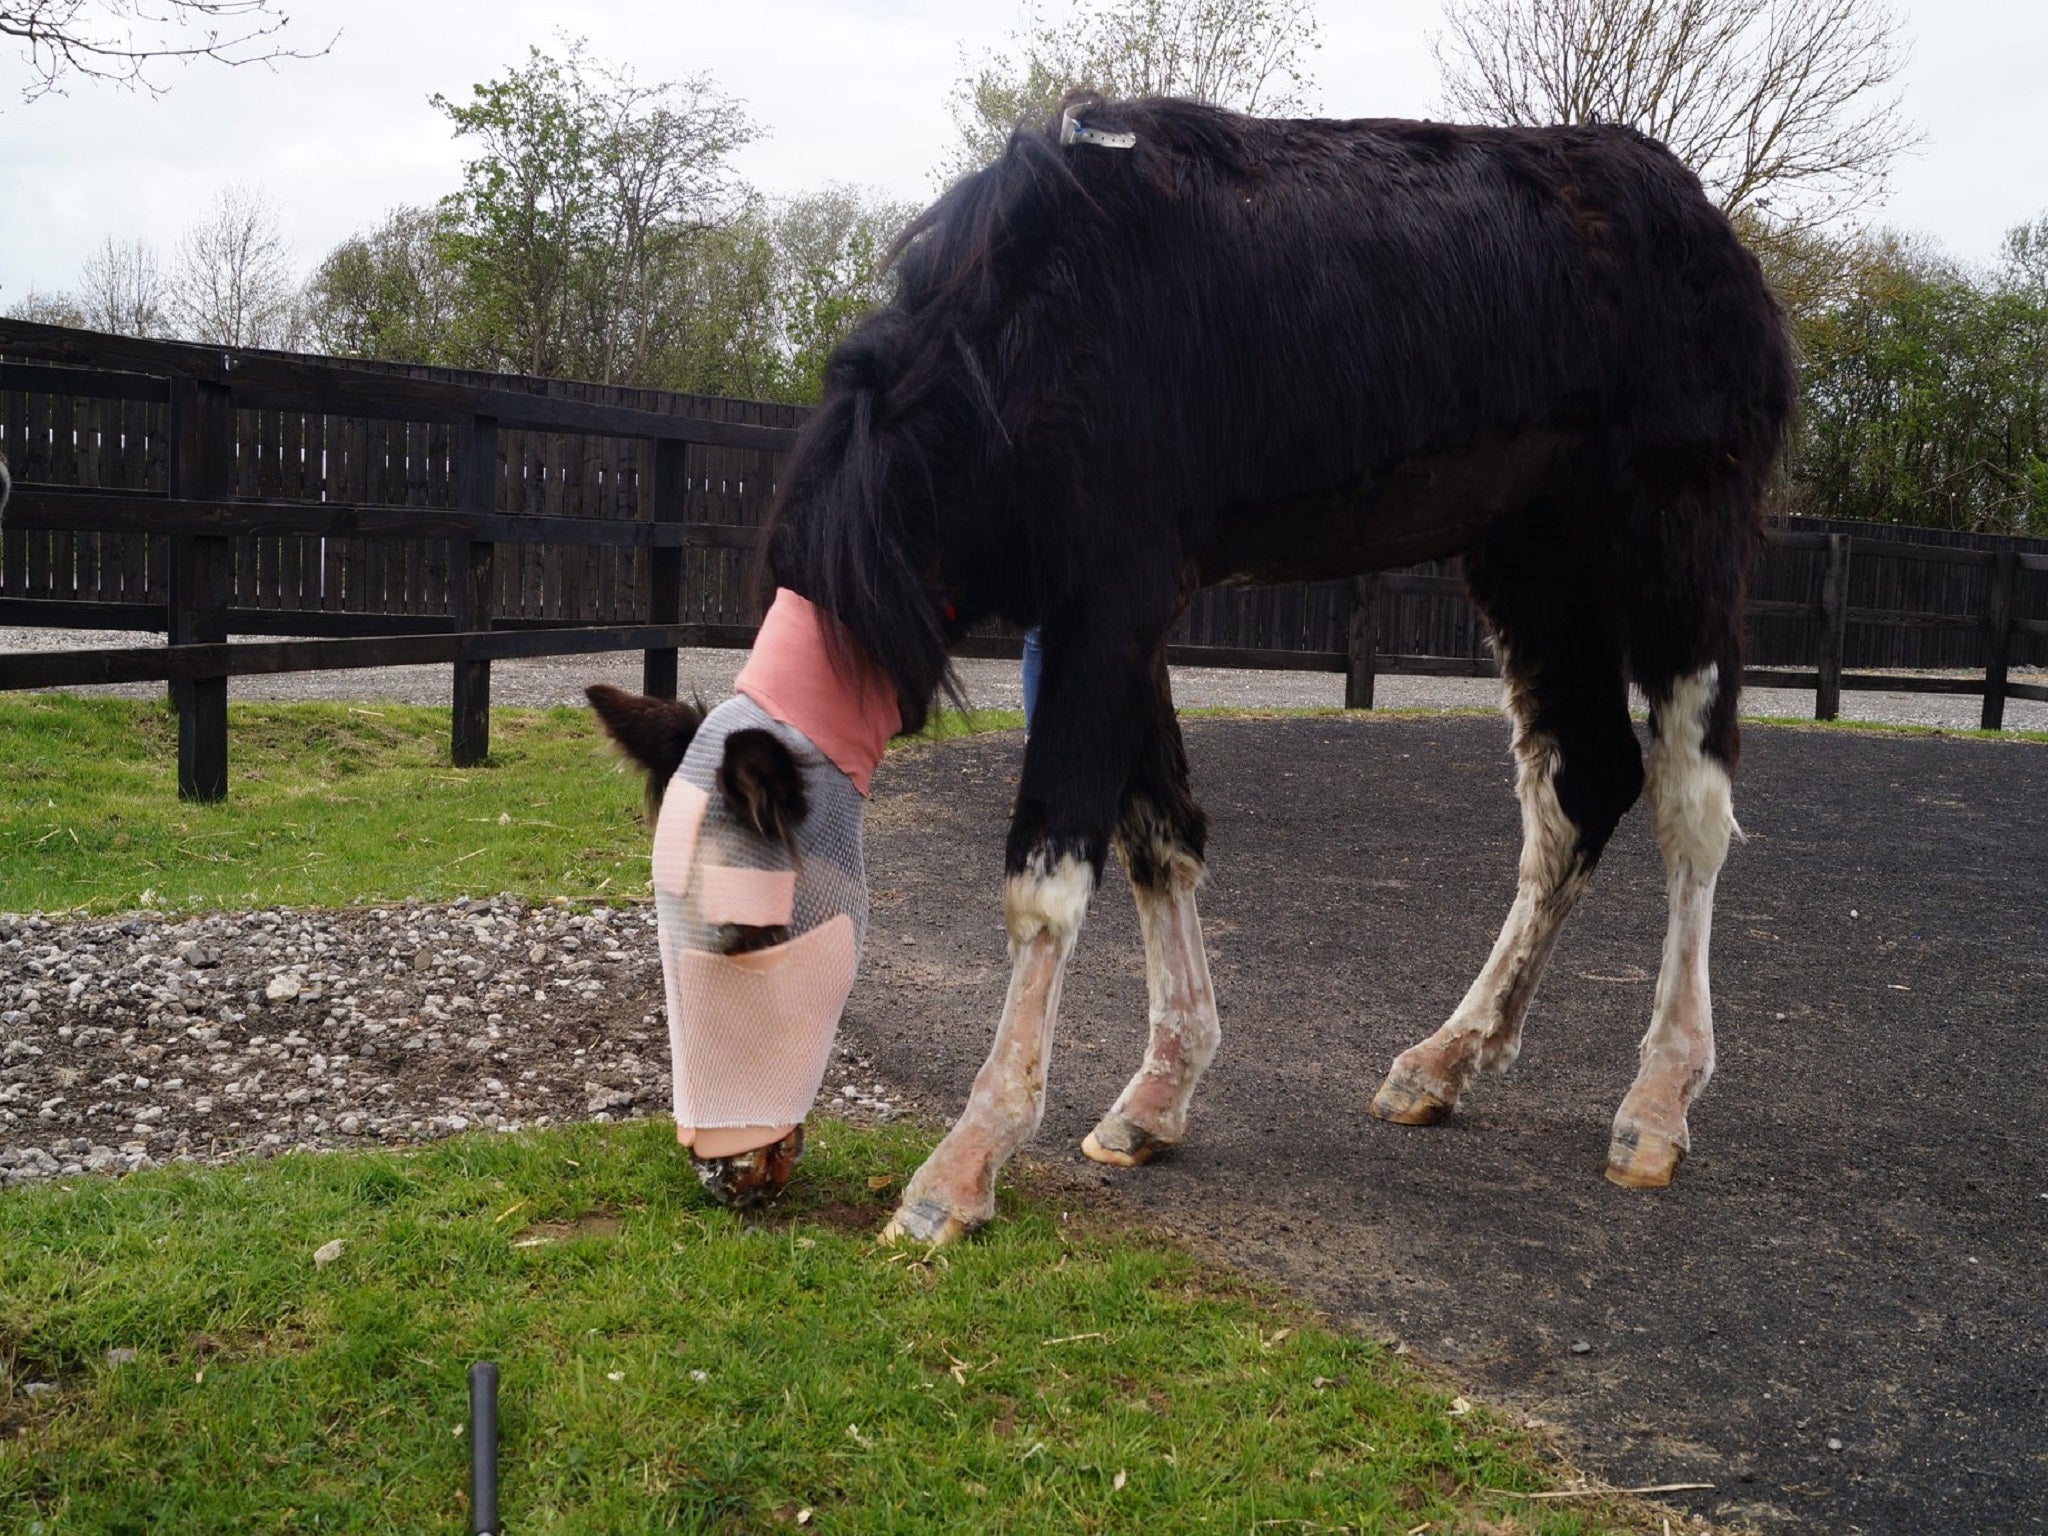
pixel 1034 663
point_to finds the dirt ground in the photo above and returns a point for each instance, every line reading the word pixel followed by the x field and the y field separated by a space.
pixel 1838 1316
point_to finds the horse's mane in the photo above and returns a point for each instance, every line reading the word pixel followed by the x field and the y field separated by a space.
pixel 854 522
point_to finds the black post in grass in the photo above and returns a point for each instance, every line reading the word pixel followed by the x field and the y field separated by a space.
pixel 483 1449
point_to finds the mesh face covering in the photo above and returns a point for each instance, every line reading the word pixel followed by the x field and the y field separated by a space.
pixel 750 1033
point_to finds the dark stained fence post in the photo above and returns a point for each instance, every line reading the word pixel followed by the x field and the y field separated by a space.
pixel 202 453
pixel 1363 646
pixel 471 582
pixel 1998 652
pixel 1834 623
pixel 658 675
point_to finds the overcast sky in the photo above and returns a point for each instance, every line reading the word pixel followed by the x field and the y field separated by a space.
pixel 848 90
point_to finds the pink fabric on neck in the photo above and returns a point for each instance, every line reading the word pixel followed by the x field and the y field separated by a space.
pixel 790 674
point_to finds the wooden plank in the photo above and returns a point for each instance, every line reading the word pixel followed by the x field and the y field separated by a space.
pixel 1405 584
pixel 1937 554
pixel 1776 538
pixel 54 613
pixel 1834 606
pixel 202 464
pixel 1363 649
pixel 246 658
pixel 473 587
pixel 1909 682
pixel 83 383
pixel 355 573
pixel 1960 622
pixel 1998 641
pixel 666 503
pixel 55 507
pixel 35 464
pixel 13 441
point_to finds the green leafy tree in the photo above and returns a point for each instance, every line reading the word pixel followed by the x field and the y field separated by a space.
pixel 1923 394
pixel 830 253
pixel 1248 54
pixel 576 209
pixel 388 292
pixel 714 317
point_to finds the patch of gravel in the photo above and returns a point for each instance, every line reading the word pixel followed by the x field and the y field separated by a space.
pixel 138 1040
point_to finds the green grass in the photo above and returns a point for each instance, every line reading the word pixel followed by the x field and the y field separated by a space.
pixel 668 1366
pixel 328 805
pixel 1887 728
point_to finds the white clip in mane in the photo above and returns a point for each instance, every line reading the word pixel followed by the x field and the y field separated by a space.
pixel 1074 131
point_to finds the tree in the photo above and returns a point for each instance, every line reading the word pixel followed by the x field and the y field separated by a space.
pixel 1923 391
pixel 388 293
pixel 234 285
pixel 46 309
pixel 1251 55
pixel 1785 108
pixel 117 40
pixel 830 249
pixel 585 188
pixel 122 289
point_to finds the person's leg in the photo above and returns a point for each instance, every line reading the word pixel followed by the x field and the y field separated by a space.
pixel 1034 663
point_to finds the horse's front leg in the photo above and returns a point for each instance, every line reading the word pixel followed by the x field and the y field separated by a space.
pixel 1161 836
pixel 955 1191
pixel 1084 739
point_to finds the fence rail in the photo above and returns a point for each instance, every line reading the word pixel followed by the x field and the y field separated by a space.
pixel 380 515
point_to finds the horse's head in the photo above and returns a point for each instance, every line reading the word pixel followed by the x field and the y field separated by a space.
pixel 762 902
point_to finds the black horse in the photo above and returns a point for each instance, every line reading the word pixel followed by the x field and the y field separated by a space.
pixel 1182 347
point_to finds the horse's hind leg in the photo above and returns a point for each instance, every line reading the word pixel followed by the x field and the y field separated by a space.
pixel 1692 801
pixel 1160 836
pixel 1578 770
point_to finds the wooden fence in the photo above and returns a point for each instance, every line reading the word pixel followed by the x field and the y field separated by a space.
pixel 381 514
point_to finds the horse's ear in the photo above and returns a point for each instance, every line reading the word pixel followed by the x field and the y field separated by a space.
pixel 763 786
pixel 655 733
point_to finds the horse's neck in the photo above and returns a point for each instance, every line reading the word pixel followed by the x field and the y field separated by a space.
pixel 791 674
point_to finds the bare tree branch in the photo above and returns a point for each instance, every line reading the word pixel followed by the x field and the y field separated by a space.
pixel 117 40
pixel 234 284
pixel 1785 108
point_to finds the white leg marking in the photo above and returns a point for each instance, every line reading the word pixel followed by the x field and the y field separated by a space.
pixel 1484 1032
pixel 1693 804
pixel 954 1191
pixel 1152 1111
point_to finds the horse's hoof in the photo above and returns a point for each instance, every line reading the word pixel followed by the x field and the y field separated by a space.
pixel 1122 1143
pixel 1641 1159
pixel 748 1179
pixel 926 1222
pixel 1403 1101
